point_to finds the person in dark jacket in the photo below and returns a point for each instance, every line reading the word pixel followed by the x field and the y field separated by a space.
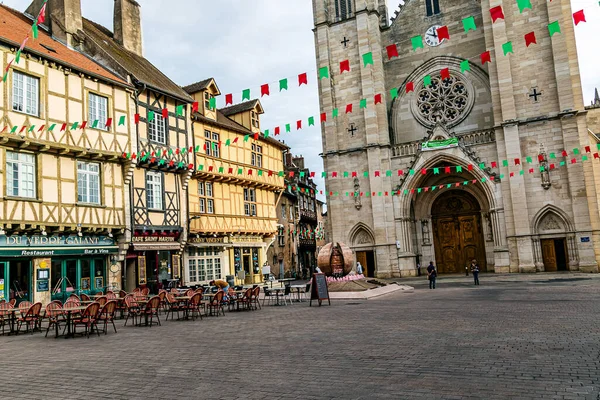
pixel 431 275
pixel 475 271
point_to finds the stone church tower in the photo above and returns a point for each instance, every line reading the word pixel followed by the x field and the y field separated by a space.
pixel 526 104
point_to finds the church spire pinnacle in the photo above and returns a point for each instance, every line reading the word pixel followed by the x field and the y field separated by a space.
pixel 596 101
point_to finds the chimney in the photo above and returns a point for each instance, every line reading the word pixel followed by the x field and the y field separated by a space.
pixel 127 23
pixel 63 18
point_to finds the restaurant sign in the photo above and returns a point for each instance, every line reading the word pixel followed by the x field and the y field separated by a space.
pixel 206 239
pixel 153 239
pixel 56 245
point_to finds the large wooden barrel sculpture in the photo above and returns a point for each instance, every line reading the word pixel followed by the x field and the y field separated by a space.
pixel 335 259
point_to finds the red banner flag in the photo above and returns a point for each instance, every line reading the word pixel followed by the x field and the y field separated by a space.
pixel 228 99
pixel 42 15
pixel 312 174
pixel 165 113
pixel 564 153
pixel 354 174
pixel 377 173
pixel 400 172
pixel 349 108
pixel 264 90
pixel 424 171
pixel 573 161
pixel 108 123
pixel 530 38
pixel 445 73
pixel 195 106
pixel 255 138
pixel 323 117
pixel 517 161
pixel 578 17
pixel 410 87
pixel 63 127
pixel 540 158
pixel 334 174
pixel 486 57
pixel 344 66
pixel 443 33
pixel 496 13
pixel 378 98
pixel 392 51
pixel 277 131
pixel 447 170
pixel 302 79
pixel 136 118
pixel 494 164
pixel 298 124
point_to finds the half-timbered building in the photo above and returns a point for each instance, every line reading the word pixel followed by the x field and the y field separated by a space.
pixel 234 190
pixel 63 197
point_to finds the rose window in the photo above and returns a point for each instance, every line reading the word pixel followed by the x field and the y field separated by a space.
pixel 445 101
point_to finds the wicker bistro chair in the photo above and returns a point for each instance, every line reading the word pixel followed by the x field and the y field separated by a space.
pixel 145 291
pixel 162 294
pixel 102 301
pixel 246 300
pixel 216 304
pixel 287 293
pixel 85 297
pixel 111 295
pixel 31 318
pixel 89 319
pixel 193 306
pixel 189 292
pixel 107 314
pixel 12 302
pixel 122 294
pixel 151 310
pixel 133 309
pixel 137 289
pixel 255 297
pixel 24 306
pixel 173 306
pixel 74 297
pixel 5 315
pixel 55 315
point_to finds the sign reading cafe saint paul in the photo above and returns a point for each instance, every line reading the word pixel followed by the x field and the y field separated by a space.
pixel 43 246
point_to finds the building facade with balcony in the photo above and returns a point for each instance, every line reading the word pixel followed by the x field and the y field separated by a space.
pixel 64 197
pixel 233 192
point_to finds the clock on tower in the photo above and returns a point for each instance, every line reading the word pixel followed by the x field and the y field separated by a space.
pixel 431 36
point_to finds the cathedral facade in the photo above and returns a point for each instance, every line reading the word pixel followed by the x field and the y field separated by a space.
pixel 536 211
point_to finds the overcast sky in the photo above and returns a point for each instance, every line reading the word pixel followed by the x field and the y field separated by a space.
pixel 243 44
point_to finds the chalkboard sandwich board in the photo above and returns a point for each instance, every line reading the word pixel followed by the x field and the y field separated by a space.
pixel 319 290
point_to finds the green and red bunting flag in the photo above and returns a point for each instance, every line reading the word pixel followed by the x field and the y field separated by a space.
pixel 427 80
pixel 35 30
pixel 469 24
pixel 443 33
pixel 150 116
pixel 530 39
pixel 579 16
pixel 212 103
pixel 121 120
pixel 464 66
pixel 363 103
pixel 523 4
pixel 323 72
pixel 496 13
pixel 368 59
pixel 283 84
pixel 179 110
pixel 246 94
pixel 507 48
pixel 311 121
pixel 394 93
pixel 392 51
pixel 417 42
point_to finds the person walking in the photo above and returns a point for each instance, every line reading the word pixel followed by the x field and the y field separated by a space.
pixel 418 269
pixel 475 271
pixel 431 275
pixel 359 268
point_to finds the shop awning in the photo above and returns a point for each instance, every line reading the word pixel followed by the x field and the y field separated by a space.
pixel 156 246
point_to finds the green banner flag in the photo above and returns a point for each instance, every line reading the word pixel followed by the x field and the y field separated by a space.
pixel 394 93
pixel 363 103
pixel 529 159
pixel 553 28
pixel 464 66
pixel 246 138
pixel 260 172
pixel 227 142
pixel 552 155
pixel 95 123
pixel 323 72
pixel 150 116
pixel 436 171
pixel 505 163
pixel 240 171
pixel 75 125
pixel 388 173
pixel 35 30
pixel 212 103
pixel 427 80
pixel 345 174
pixel 458 168
pixel 507 48
pixel 523 4
pixel 335 113
pixel 31 128
pixel 469 24
pixel 246 94
pixel 576 151
pixel 288 128
pixel 283 84
pixel 417 42
pixel 122 120
pixel 51 127
pixel 14 129
pixel 179 110
pixel 368 59
pixel 311 121
pixel 323 174
pixel 266 133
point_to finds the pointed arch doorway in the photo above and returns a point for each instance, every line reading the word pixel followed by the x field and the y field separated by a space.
pixel 457 232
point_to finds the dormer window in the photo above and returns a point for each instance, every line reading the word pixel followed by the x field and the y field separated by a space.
pixel 207 97
pixel 254 116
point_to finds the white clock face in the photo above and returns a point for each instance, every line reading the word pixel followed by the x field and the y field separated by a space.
pixel 431 36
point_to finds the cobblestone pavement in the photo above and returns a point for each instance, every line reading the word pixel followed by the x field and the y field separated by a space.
pixel 530 338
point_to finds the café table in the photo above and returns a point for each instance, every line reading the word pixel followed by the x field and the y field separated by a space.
pixel 13 318
pixel 298 290
pixel 70 311
pixel 277 291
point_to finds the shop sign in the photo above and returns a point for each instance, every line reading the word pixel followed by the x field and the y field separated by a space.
pixel 55 245
pixel 153 239
pixel 246 239
pixel 207 239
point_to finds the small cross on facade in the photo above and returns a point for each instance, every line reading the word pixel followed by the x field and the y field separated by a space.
pixel 345 42
pixel 352 129
pixel 535 94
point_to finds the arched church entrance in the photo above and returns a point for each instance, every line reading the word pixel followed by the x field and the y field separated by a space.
pixel 457 232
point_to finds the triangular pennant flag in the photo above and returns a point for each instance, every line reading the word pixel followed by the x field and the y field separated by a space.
pixel 367 59
pixel 553 28
pixel 469 24
pixel 530 39
pixel 417 42
pixel 302 79
pixel 392 51
pixel 283 84
pixel 264 90
pixel 344 66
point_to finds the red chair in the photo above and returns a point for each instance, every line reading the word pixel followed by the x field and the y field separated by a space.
pixel 133 309
pixel 162 293
pixel 5 315
pixel 255 296
pixel 88 319
pixel 122 294
pixel 85 297
pixel 246 300
pixel 137 289
pixel 24 306
pixel 55 315
pixel 107 314
pixel 193 306
pixel 145 291
pixel 216 303
pixel 12 302
pixel 111 295
pixel 31 318
pixel 102 301
pixel 152 309
pixel 74 297
pixel 174 291
pixel 189 292
pixel 173 306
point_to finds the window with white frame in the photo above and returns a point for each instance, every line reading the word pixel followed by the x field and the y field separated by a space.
pixel 20 174
pixel 281 236
pixel 157 129
pixel 98 110
pixel 154 199
pixel 256 156
pixel 206 197
pixel 250 202
pixel 26 95
pixel 254 117
pixel 88 182
pixel 211 142
pixel 204 264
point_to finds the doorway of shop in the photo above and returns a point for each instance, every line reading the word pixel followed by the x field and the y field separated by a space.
pixel 15 280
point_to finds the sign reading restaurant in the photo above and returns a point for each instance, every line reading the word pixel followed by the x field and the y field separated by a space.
pixel 55 245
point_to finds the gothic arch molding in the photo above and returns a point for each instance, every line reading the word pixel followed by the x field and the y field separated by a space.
pixel 551 218
pixel 361 235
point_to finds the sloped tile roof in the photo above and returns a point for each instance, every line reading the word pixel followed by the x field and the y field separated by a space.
pixel 138 67
pixel 14 28
pixel 198 86
pixel 238 108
